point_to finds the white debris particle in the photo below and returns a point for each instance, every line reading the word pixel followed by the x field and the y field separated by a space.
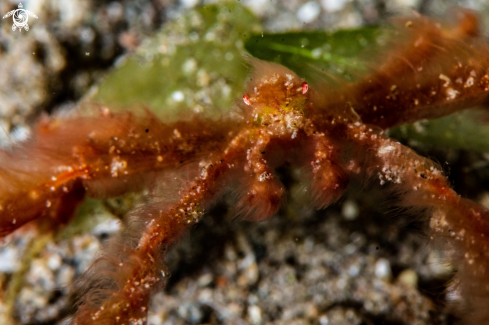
pixel 177 96
pixel 309 12
pixel 154 318
pixel 54 261
pixel 383 269
pixel 210 36
pixel 385 150
pixel 189 3
pixel 205 280
pixel 396 4
pixel 316 53
pixel 445 79
pixel 254 312
pixel 350 210
pixel 115 10
pixel 354 270
pixel 229 56
pixel 107 227
pixel 9 259
pixel 333 5
pixel 87 35
pixel 117 166
pixel 451 93
pixel 226 91
pixel 189 66
pixel 324 320
pixel 260 7
pixel 409 278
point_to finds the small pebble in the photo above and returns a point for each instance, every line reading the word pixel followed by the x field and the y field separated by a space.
pixel 383 269
pixel 333 5
pixel 254 312
pixel 309 12
pixel 349 210
pixel 409 277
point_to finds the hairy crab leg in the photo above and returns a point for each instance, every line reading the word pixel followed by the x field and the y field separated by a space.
pixel 329 177
pixel 447 71
pixel 103 156
pixel 459 223
pixel 139 270
pixel 437 71
pixel 263 190
pixel 123 294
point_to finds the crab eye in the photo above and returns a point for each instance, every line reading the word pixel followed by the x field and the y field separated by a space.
pixel 305 87
pixel 246 100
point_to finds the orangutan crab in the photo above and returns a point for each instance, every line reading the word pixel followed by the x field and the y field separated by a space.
pixel 333 130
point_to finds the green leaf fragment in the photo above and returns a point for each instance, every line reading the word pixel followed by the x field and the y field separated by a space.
pixel 307 53
pixel 194 64
pixel 467 130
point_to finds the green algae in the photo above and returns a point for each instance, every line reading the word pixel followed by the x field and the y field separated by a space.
pixel 193 65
